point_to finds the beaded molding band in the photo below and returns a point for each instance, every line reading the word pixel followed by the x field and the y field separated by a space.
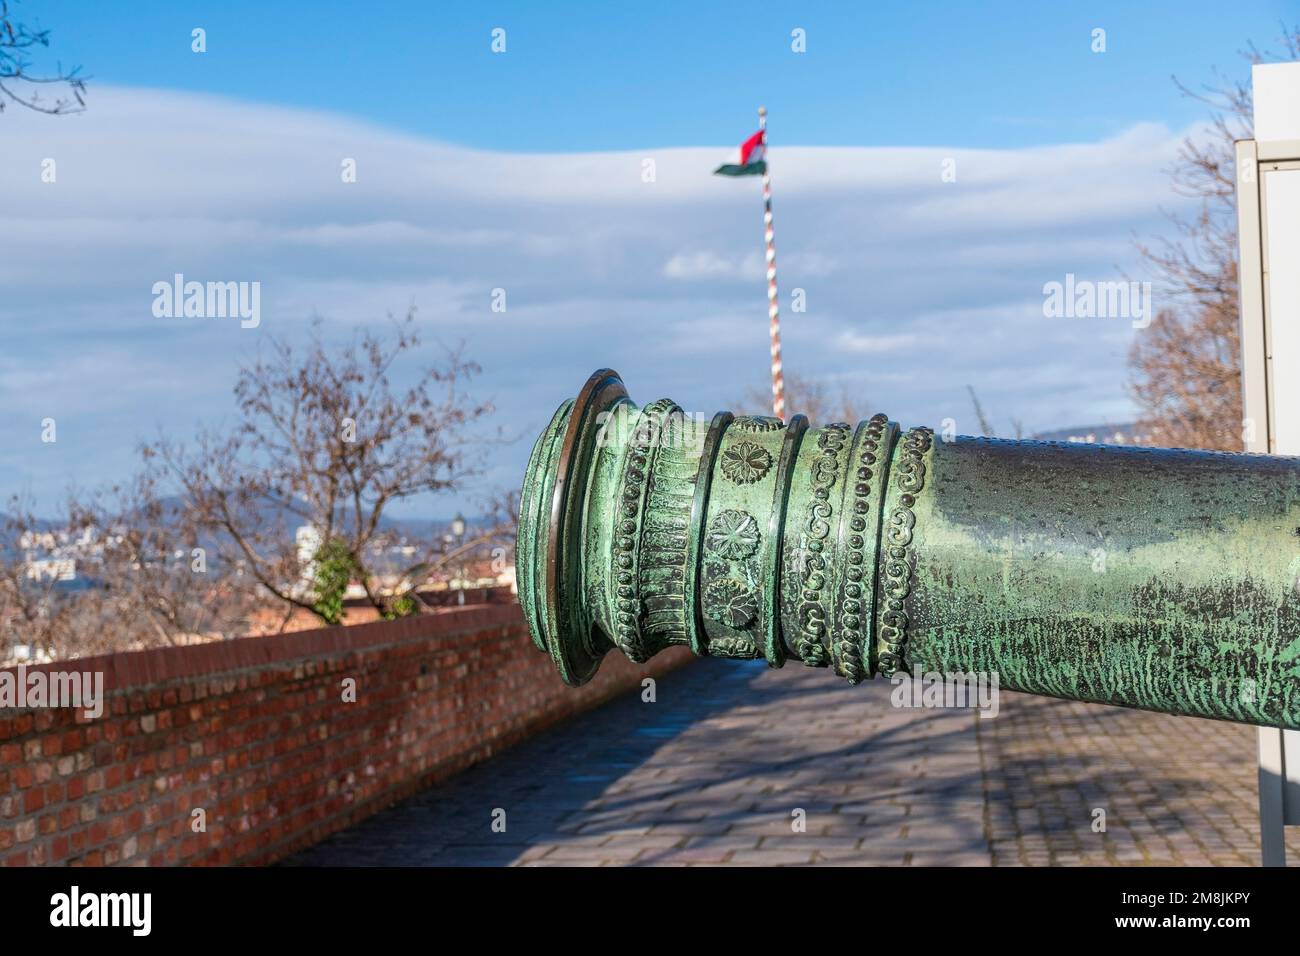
pixel 897 559
pixel 858 537
pixel 641 448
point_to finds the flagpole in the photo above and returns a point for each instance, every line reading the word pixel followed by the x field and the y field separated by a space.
pixel 773 310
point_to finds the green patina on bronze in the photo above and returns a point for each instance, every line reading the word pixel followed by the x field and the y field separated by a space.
pixel 1152 578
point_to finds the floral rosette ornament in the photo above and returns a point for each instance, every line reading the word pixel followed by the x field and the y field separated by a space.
pixel 731 602
pixel 733 535
pixel 745 463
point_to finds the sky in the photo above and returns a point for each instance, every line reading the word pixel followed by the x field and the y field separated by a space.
pixel 934 166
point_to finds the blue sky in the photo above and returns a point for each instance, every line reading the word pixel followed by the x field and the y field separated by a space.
pixel 601 76
pixel 524 171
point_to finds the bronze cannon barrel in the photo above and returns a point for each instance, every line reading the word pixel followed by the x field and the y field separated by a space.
pixel 1153 578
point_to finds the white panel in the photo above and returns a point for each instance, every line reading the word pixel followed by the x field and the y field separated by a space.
pixel 1254 351
pixel 1282 257
pixel 1277 101
pixel 1291 785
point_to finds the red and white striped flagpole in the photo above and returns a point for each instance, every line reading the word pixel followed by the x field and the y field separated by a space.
pixel 773 311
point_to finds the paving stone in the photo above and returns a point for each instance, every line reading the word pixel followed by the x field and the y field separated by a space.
pixel 737 747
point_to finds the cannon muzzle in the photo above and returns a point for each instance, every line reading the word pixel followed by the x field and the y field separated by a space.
pixel 1153 578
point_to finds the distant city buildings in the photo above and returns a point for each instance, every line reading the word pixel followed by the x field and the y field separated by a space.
pixel 50 569
pixel 308 540
pixel 53 555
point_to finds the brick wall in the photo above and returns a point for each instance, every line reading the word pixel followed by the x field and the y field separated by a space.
pixel 255 732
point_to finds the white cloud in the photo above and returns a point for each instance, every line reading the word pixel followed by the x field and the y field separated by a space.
pixel 914 286
pixel 871 344
pixel 706 264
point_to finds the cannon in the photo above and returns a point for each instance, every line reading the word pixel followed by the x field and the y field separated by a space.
pixel 1161 579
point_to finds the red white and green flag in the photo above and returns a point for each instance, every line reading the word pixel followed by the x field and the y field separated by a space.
pixel 753 158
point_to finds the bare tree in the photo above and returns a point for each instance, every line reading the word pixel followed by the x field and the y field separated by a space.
pixel 28 605
pixel 154 567
pixel 325 442
pixel 986 427
pixel 21 83
pixel 114 571
pixel 495 538
pixel 805 396
pixel 1186 367
pixel 38 608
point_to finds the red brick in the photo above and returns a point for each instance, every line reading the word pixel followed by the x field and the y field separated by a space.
pixel 269 752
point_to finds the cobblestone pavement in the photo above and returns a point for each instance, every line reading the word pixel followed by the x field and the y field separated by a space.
pixel 715 770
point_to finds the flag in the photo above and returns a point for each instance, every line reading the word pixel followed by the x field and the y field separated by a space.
pixel 753 158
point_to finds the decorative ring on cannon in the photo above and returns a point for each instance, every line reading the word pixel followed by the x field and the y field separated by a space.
pixel 1153 578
